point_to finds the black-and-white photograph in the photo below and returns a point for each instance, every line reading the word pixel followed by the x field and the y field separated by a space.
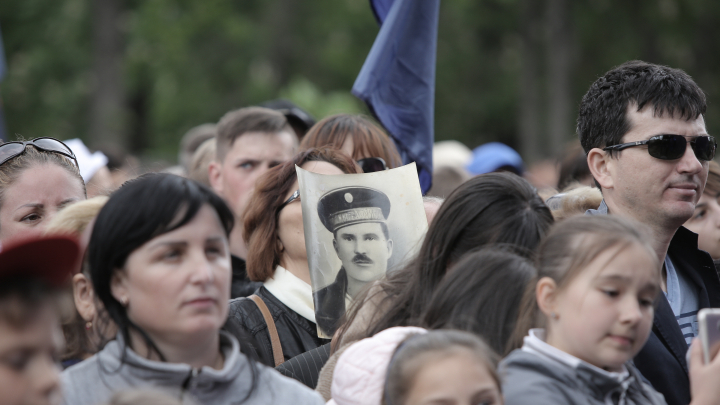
pixel 357 228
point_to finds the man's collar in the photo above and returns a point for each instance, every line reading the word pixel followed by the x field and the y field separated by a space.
pixel 601 210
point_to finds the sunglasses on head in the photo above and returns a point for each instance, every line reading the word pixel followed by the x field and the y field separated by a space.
pixel 372 164
pixel 11 150
pixel 671 147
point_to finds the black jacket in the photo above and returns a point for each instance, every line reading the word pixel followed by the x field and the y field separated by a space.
pixel 662 359
pixel 297 334
pixel 306 367
pixel 330 302
pixel 241 286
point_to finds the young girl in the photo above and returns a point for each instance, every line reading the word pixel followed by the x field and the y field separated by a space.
pixel 597 282
pixel 442 367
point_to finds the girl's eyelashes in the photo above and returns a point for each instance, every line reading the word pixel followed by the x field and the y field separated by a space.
pixel 612 293
pixel 17 361
pixel 699 214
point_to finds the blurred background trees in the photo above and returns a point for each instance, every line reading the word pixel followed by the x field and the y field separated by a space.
pixel 140 73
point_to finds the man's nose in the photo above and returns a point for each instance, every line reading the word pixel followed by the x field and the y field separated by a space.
pixel 689 163
pixel 360 246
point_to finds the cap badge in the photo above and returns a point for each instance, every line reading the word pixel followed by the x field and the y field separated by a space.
pixel 348 197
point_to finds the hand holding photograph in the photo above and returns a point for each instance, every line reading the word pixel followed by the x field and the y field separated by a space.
pixel 357 228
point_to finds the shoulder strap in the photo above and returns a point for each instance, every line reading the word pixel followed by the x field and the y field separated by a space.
pixel 272 330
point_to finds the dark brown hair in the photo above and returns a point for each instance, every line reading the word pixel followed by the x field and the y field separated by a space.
pixel 569 247
pixel 261 219
pixel 250 119
pixel 489 208
pixel 368 138
pixel 482 294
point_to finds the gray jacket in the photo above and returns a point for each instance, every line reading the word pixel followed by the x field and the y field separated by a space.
pixel 531 379
pixel 95 380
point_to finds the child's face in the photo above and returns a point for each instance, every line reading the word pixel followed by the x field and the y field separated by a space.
pixel 455 379
pixel 605 314
pixel 29 374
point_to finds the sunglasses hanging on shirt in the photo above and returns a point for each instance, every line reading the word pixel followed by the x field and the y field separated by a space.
pixel 671 147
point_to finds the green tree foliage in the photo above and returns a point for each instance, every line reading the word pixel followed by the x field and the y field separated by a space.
pixel 186 62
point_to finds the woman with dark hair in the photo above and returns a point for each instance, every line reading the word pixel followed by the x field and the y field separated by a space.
pixel 357 136
pixel 277 257
pixel 160 264
pixel 489 208
pixel 37 179
pixel 482 294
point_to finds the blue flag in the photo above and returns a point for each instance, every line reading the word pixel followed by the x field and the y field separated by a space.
pixel 397 80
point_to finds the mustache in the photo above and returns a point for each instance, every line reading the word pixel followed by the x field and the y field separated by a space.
pixel 361 258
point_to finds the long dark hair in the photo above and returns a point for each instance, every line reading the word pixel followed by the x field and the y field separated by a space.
pixel 482 294
pixel 490 208
pixel 139 211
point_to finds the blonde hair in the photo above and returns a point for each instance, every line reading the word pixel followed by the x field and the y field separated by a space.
pixel 201 159
pixel 74 218
pixel 577 201
pixel 11 170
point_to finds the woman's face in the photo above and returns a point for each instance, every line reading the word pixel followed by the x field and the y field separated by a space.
pixel 35 197
pixel 177 285
pixel 706 223
pixel 29 374
pixel 290 221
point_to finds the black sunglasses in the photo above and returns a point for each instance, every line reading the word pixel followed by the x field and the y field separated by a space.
pixel 671 147
pixel 372 164
pixel 11 150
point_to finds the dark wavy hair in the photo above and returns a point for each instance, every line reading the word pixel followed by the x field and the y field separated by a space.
pixel 602 119
pixel 139 211
pixel 487 209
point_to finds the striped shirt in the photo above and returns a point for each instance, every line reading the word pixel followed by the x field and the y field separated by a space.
pixel 682 294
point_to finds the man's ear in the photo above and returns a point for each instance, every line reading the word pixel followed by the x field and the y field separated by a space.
pixel 335 245
pixel 390 247
pixel 84 297
pixel 215 176
pixel 600 164
pixel 119 286
pixel 545 294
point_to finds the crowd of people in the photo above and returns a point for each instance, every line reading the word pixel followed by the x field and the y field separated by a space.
pixel 192 286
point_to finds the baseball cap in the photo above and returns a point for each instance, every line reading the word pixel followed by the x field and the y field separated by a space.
pixel 492 156
pixel 48 258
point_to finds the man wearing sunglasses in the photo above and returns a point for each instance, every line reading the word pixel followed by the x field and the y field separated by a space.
pixel 250 141
pixel 643 129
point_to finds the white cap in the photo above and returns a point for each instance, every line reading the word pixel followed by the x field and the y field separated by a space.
pixel 89 163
